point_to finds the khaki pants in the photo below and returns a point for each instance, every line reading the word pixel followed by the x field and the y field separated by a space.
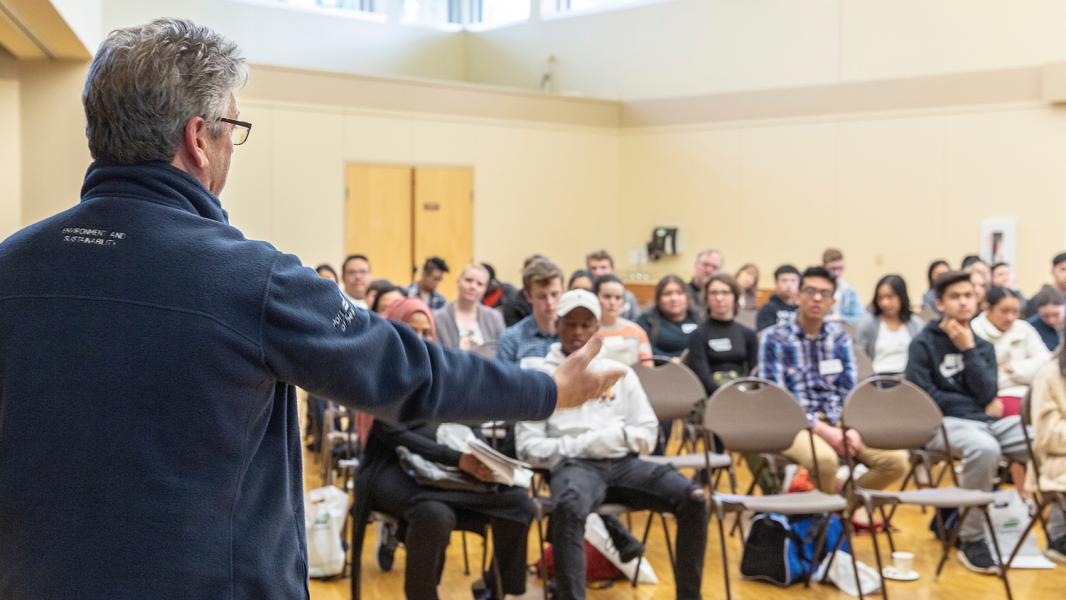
pixel 885 466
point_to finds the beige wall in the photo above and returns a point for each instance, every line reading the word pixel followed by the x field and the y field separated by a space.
pixel 10 173
pixel 54 153
pixel 538 188
pixel 689 47
pixel 892 190
pixel 282 36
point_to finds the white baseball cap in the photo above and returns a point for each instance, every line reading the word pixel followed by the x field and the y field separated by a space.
pixel 578 298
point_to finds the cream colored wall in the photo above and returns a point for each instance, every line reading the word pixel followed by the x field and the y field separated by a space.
pixel 538 188
pixel 277 35
pixel 10 172
pixel 892 190
pixel 689 47
pixel 54 153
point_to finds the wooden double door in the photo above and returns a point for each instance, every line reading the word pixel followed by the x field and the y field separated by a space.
pixel 400 215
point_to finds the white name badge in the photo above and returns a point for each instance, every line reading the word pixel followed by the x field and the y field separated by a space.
pixel 688 328
pixel 831 366
pixel 721 344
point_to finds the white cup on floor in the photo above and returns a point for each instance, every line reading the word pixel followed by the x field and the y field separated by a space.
pixel 903 562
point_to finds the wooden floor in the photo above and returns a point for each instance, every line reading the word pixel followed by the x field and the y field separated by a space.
pixel 955 582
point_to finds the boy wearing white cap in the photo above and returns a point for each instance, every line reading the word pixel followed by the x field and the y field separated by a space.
pixel 592 452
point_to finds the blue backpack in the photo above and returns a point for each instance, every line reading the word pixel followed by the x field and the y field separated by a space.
pixel 781 550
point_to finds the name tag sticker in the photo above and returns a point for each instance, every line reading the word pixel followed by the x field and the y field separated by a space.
pixel 831 366
pixel 721 344
pixel 688 328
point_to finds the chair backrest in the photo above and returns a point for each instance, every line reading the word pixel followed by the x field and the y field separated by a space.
pixel 754 415
pixel 672 388
pixel 488 350
pixel 747 316
pixel 891 413
pixel 864 367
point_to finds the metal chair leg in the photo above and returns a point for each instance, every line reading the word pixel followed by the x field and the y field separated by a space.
pixel 1032 521
pixel 466 558
pixel 950 542
pixel 640 557
pixel 718 512
pixel 877 546
pixel 999 555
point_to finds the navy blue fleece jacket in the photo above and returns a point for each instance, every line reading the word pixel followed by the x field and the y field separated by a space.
pixel 961 383
pixel 149 440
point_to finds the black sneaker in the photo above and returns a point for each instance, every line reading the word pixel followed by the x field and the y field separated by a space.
pixel 1056 550
pixel 975 555
pixel 630 550
pixel 387 542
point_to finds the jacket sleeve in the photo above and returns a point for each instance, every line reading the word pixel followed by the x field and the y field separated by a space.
pixel 850 375
pixel 493 325
pixel 1036 356
pixel 979 373
pixel 1049 412
pixel 865 332
pixel 851 309
pixel 641 428
pixel 751 342
pixel 507 349
pixel 535 446
pixel 697 360
pixel 311 336
pixel 920 372
pixel 394 436
pixel 765 318
pixel 770 367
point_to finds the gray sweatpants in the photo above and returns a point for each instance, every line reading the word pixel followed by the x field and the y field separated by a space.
pixel 980 446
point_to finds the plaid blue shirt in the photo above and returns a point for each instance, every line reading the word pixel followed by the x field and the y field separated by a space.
pixel 788 357
pixel 524 339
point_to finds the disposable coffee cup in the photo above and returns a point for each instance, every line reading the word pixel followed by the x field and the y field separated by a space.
pixel 903 561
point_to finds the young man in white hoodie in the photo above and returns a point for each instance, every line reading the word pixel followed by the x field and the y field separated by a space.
pixel 593 454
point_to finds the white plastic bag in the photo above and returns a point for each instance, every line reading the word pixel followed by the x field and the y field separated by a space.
pixel 325 509
pixel 843 575
pixel 596 534
pixel 1010 515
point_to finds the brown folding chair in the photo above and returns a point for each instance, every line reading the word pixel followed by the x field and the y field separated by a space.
pixel 891 413
pixel 1044 498
pixel 758 416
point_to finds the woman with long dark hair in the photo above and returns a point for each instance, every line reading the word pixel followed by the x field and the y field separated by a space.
pixel 671 320
pixel 885 332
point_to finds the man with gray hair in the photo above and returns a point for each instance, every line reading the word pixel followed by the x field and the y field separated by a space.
pixel 158 347
pixel 708 262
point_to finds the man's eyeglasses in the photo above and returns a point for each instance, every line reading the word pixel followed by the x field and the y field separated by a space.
pixel 241 130
pixel 814 292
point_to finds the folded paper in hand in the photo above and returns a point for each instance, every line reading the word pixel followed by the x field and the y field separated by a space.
pixel 505 469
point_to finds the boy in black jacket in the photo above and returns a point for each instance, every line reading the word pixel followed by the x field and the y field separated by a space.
pixel 959 371
pixel 781 307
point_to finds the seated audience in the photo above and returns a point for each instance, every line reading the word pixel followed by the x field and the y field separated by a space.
pixel 542 284
pixel 600 263
pixel 958 369
pixel 326 271
pixel 781 307
pixel 1048 411
pixel 496 290
pixel 972 262
pixel 846 304
pixel 1058 280
pixel 1020 352
pixel 425 288
pixel 670 321
pixel 623 340
pixel 1048 320
pixel 515 306
pixel 708 262
pixel 885 332
pixel 748 279
pixel 813 359
pixel 721 349
pixel 381 294
pixel 936 269
pixel 355 275
pixel 592 453
pixel 1002 275
pixel 467 323
pixel 580 280
pixel 429 514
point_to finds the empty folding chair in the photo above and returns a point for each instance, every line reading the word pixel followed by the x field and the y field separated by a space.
pixel 891 413
pixel 756 416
